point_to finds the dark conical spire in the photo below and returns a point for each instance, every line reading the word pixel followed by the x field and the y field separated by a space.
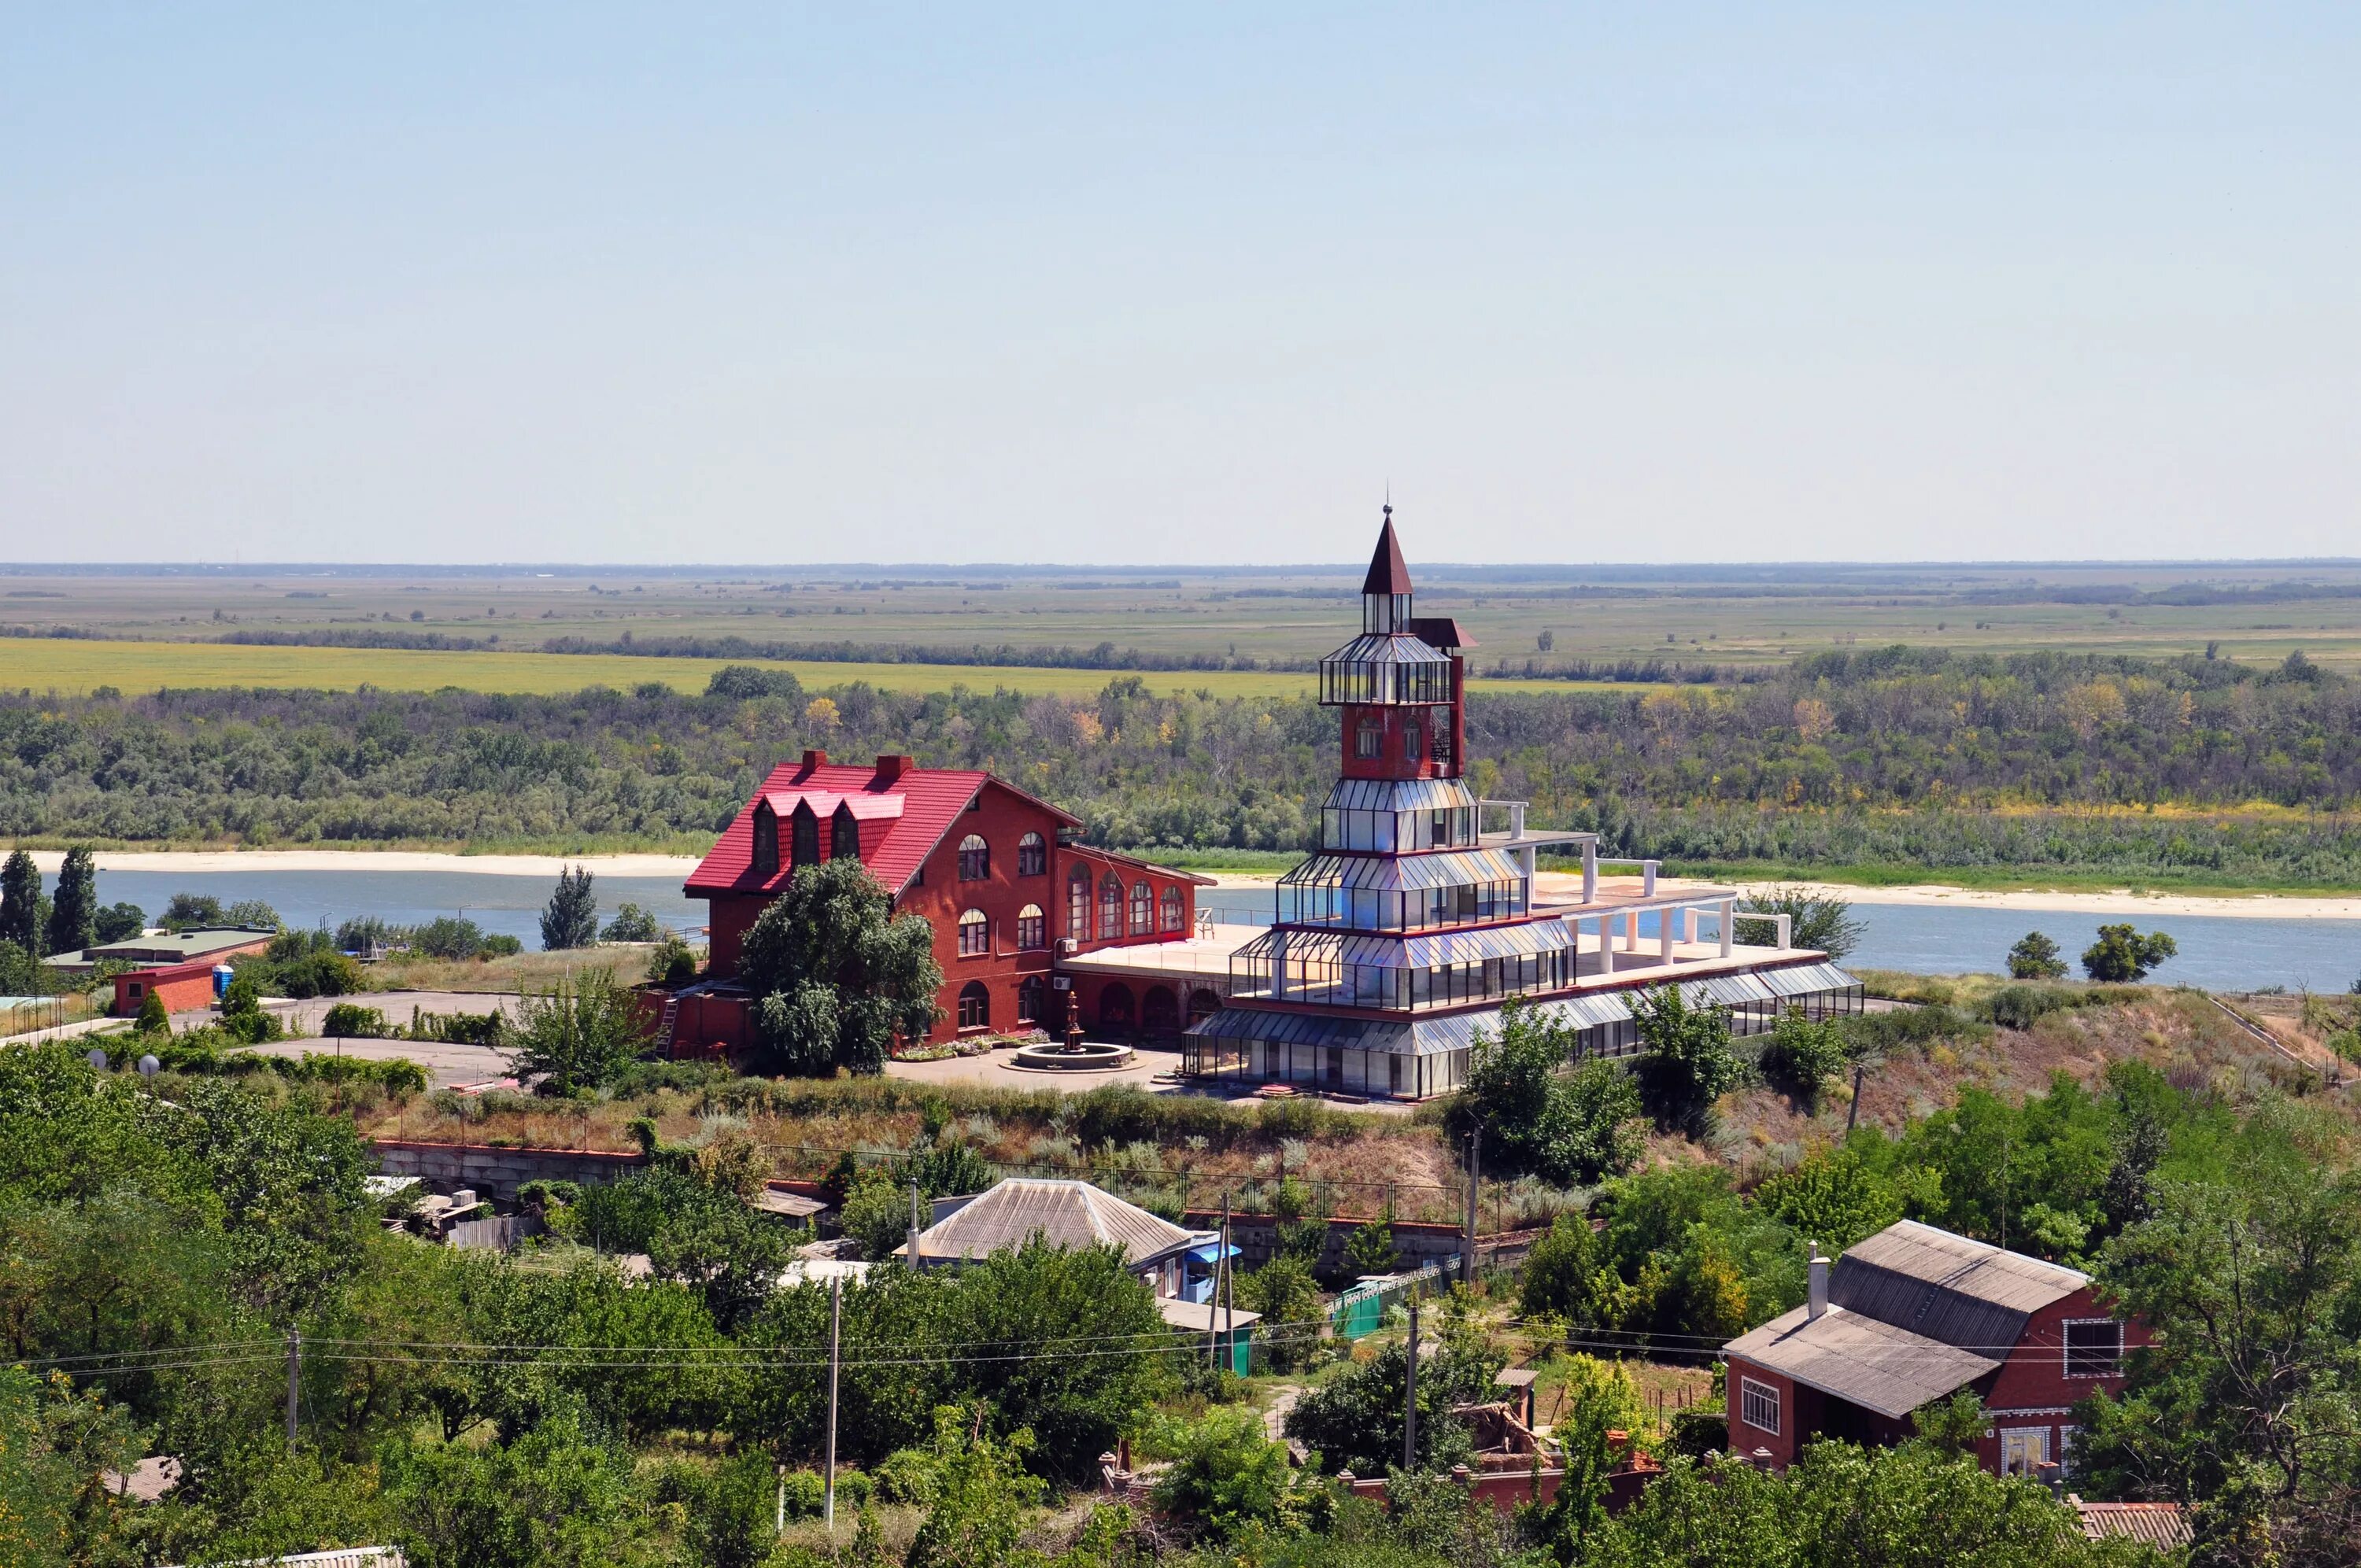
pixel 1388 574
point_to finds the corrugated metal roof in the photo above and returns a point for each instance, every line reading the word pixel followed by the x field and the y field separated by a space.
pixel 2160 1525
pixel 1204 1317
pixel 1064 1213
pixel 1803 979
pixel 1417 869
pixel 1860 1359
pixel 1400 795
pixel 1946 1286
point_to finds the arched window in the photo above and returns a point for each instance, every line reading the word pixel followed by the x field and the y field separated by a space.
pixel 974 1006
pixel 1032 999
pixel 766 840
pixel 1032 928
pixel 805 831
pixel 1032 856
pixel 1142 909
pixel 974 933
pixel 844 835
pixel 1110 907
pixel 1077 905
pixel 975 859
pixel 1169 909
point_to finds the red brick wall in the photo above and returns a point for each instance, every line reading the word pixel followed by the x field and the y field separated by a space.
pixel 2033 1390
pixel 1001 819
pixel 186 988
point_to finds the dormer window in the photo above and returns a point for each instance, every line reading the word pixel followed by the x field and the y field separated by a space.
pixel 844 835
pixel 804 832
pixel 766 840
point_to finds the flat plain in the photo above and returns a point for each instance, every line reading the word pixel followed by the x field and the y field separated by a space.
pixel 1733 614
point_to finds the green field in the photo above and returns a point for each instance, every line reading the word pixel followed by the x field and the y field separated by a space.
pixel 74 666
pixel 1694 613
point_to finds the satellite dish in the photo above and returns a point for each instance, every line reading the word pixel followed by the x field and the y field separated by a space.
pixel 148 1066
pixel 97 1059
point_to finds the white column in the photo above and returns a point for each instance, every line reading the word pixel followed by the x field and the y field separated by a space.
pixel 1607 944
pixel 1729 924
pixel 1664 930
pixel 1631 930
pixel 1689 925
pixel 1590 873
pixel 1648 878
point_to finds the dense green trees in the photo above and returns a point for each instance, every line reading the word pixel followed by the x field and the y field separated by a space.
pixel 24 912
pixel 2247 1409
pixel 2035 957
pixel 1569 1128
pixel 74 910
pixel 838 975
pixel 1888 756
pixel 1685 1062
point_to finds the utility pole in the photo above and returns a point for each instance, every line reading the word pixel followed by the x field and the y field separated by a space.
pixel 294 1378
pixel 1467 1242
pixel 835 1363
pixel 1410 1394
pixel 912 1248
pixel 1229 1287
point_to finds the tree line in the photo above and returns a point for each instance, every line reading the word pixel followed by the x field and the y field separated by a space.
pixel 1910 756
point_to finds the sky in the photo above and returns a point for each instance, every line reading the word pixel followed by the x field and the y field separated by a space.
pixel 1179 284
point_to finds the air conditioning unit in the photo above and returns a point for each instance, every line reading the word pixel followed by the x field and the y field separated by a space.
pixel 1066 946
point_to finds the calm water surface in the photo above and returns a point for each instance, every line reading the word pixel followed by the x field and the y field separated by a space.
pixel 2219 952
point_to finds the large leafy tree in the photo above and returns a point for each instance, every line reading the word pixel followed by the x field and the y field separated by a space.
pixel 578 1036
pixel 73 912
pixel 837 974
pixel 2121 953
pixel 1685 1062
pixel 1910 1506
pixel 1355 1422
pixel 2247 1408
pixel 1570 1128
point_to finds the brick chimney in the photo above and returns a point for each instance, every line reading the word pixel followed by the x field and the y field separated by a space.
pixel 890 766
pixel 815 758
pixel 1817 1302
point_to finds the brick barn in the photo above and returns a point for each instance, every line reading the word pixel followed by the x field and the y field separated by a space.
pixel 1913 1315
pixel 988 865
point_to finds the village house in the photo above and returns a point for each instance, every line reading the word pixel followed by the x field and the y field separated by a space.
pixel 1913 1315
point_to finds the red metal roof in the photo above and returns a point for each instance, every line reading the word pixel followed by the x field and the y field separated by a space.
pixel 1388 573
pixel 893 845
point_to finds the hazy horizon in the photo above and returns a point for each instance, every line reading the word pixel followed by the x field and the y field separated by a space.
pixel 588 284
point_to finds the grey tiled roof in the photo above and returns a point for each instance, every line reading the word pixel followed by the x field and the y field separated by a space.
pixel 1064 1213
pixel 1873 1364
pixel 1946 1286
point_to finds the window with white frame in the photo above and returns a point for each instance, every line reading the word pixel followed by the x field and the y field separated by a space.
pixel 1032 856
pixel 2024 1450
pixel 974 859
pixel 1758 1406
pixel 2094 1347
pixel 975 934
pixel 1032 928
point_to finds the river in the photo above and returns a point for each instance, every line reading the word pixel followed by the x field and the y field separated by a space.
pixel 2218 952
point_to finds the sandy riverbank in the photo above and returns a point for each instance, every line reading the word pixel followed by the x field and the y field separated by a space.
pixel 195 861
pixel 2121 901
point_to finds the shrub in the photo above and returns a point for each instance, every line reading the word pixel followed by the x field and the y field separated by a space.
pixel 153 1019
pixel 674 962
pixel 2123 954
pixel 1801 1055
pixel 2035 957
pixel 350 1021
pixel 632 923
pixel 501 945
pixel 1816 920
pixel 2018 1006
pixel 451 937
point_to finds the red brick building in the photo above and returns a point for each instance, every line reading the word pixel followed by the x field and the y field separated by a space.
pixel 984 862
pixel 1913 1315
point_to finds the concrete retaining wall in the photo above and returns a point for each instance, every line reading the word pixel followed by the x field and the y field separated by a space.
pixel 497 1172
